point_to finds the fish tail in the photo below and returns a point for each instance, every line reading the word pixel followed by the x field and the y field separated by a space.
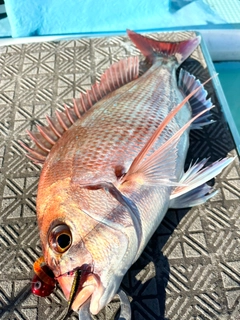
pixel 152 49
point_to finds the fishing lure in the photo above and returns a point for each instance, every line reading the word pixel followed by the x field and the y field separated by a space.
pixel 43 283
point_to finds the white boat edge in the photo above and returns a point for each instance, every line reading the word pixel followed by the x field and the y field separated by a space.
pixel 222 44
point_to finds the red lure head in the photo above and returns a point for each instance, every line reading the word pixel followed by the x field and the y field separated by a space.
pixel 40 288
pixel 43 283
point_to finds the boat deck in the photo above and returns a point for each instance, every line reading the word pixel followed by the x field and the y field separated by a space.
pixel 190 270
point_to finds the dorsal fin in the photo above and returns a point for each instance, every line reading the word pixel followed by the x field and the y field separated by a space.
pixel 116 76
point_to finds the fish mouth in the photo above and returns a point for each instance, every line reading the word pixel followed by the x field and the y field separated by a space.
pixel 78 292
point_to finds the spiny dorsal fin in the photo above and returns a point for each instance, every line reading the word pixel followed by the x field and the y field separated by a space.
pixel 116 76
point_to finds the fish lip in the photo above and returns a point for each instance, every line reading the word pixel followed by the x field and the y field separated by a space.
pixel 84 269
pixel 89 282
pixel 84 291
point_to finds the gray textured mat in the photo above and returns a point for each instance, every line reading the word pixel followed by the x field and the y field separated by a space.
pixel 190 269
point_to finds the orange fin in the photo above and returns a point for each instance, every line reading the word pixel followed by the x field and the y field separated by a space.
pixel 116 76
pixel 158 167
pixel 152 48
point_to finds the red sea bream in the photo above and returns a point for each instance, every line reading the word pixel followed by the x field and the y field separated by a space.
pixel 113 165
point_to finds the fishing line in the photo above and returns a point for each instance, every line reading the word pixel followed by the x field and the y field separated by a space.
pixel 75 284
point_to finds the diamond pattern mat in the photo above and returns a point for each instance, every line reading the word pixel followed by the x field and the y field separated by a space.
pixel 190 270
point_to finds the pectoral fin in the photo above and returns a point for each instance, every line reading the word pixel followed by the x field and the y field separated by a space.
pixel 159 167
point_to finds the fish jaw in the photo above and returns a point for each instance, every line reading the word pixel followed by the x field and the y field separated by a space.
pixel 90 288
pixel 100 251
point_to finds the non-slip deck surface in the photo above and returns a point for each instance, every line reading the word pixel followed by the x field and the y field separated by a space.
pixel 190 269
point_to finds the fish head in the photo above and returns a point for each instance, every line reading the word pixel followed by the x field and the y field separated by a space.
pixel 85 231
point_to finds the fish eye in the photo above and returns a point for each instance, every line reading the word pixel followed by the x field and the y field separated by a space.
pixel 60 238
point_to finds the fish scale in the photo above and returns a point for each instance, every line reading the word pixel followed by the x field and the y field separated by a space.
pixel 98 127
pixel 115 167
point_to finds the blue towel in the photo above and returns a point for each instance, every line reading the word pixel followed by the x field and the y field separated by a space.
pixel 49 17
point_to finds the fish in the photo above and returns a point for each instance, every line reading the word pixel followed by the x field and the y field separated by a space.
pixel 113 164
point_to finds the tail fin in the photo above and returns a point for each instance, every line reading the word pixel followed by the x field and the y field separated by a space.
pixel 152 48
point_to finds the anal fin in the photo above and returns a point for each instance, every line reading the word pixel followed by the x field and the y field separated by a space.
pixel 194 189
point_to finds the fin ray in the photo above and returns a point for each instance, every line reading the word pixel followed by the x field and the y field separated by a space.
pixel 117 75
pixel 151 48
pixel 193 198
pixel 198 176
pixel 138 165
pixel 34 155
pixel 187 83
